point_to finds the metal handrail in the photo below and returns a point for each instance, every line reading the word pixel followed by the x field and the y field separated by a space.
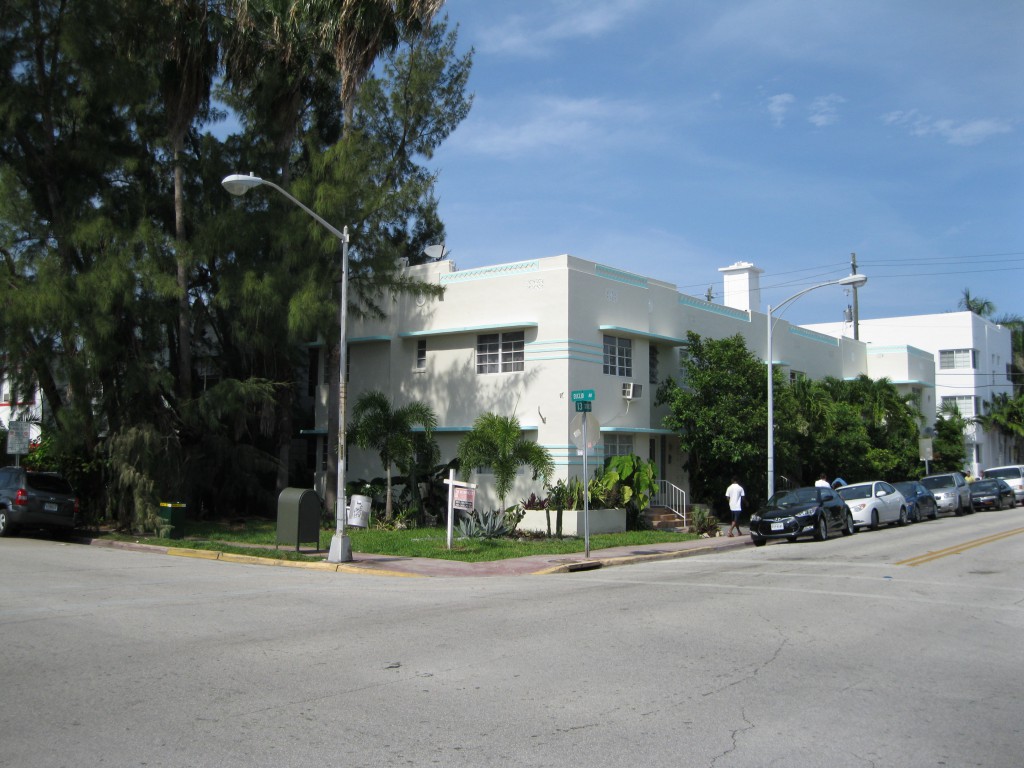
pixel 673 498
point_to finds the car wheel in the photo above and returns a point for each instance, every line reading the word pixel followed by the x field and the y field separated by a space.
pixel 903 517
pixel 849 529
pixel 791 538
pixel 874 520
pixel 5 524
pixel 821 532
pixel 759 541
pixel 959 508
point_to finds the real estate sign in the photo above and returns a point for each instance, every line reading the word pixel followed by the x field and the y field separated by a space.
pixel 18 437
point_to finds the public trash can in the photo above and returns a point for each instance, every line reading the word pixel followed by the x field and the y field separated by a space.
pixel 172 520
pixel 298 516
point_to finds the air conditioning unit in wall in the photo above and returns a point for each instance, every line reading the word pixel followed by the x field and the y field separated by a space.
pixel 631 391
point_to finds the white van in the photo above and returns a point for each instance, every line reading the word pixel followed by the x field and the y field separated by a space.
pixel 1014 477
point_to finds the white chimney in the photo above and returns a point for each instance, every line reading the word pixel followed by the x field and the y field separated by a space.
pixel 742 286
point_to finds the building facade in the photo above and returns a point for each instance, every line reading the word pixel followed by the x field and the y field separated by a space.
pixel 518 339
pixel 972 364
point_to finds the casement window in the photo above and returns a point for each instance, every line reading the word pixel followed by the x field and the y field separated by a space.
pixel 618 356
pixel 421 355
pixel 500 352
pixel 958 358
pixel 968 405
pixel 617 444
pixel 652 364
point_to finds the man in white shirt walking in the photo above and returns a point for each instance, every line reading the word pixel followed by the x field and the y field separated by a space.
pixel 734 493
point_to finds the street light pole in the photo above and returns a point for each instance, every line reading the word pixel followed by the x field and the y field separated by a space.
pixel 855 281
pixel 239 184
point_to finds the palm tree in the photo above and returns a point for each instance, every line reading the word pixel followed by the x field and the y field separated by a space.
pixel 498 442
pixel 359 31
pixel 378 424
pixel 979 306
pixel 186 78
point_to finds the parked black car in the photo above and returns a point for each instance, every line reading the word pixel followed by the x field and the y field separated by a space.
pixel 31 499
pixel 920 501
pixel 814 511
pixel 994 493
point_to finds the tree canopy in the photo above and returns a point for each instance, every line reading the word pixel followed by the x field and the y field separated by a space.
pixel 163 321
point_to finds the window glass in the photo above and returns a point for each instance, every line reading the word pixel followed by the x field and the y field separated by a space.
pixel 618 356
pixel 500 352
pixel 957 358
pixel 421 354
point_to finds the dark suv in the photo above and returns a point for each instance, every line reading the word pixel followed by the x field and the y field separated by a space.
pixel 31 499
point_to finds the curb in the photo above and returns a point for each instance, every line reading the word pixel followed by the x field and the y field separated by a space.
pixel 611 562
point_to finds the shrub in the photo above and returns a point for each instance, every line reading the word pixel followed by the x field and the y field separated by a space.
pixel 704 523
pixel 484 525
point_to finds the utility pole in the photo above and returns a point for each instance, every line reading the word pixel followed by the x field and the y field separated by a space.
pixel 856 312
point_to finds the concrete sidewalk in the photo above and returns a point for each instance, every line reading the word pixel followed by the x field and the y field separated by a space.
pixel 421 567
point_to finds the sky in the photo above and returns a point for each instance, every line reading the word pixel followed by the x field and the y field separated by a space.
pixel 670 138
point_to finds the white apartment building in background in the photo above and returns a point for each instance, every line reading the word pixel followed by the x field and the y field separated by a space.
pixel 972 364
pixel 518 339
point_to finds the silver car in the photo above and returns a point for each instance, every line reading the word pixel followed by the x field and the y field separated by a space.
pixel 950 491
pixel 874 503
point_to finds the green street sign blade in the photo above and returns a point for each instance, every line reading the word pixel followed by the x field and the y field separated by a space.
pixel 582 394
pixel 583 406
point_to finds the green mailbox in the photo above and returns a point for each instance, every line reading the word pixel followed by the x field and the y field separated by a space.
pixel 172 519
pixel 298 516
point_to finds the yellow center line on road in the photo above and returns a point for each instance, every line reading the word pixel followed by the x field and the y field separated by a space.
pixel 956 550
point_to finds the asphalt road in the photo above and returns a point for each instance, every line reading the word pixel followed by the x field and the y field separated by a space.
pixel 808 654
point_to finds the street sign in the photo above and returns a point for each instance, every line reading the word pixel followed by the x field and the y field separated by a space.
pixel 583 407
pixel 19 434
pixel 582 394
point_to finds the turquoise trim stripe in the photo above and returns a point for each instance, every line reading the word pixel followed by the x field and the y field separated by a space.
pixel 566 342
pixel 718 309
pixel 619 276
pixel 639 430
pixel 486 273
pixel 468 329
pixel 641 334
pixel 523 427
pixel 796 330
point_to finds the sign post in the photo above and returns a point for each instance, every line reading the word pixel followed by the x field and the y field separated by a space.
pixel 19 438
pixel 583 399
pixel 460 496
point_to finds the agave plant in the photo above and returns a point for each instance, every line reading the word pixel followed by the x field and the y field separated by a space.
pixel 484 525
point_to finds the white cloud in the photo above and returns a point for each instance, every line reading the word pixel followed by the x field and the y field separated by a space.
pixel 534 36
pixel 550 123
pixel 778 105
pixel 964 134
pixel 824 110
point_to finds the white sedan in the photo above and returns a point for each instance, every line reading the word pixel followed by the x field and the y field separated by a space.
pixel 874 503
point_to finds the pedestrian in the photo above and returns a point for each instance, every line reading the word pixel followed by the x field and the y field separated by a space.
pixel 822 482
pixel 735 494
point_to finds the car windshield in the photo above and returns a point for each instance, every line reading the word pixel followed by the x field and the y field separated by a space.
pixel 794 498
pixel 939 481
pixel 47 483
pixel 984 486
pixel 1004 472
pixel 855 492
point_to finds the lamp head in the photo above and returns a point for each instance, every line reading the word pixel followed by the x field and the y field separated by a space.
pixel 238 184
pixel 853 281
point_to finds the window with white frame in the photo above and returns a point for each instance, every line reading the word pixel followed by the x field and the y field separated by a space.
pixel 617 444
pixel 967 405
pixel 618 356
pixel 421 355
pixel 500 352
pixel 958 358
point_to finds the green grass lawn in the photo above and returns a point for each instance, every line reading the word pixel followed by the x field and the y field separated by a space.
pixel 257 537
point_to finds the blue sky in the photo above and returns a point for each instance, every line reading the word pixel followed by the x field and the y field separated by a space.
pixel 673 137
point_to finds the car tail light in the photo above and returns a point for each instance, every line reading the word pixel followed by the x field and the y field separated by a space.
pixel 21 498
